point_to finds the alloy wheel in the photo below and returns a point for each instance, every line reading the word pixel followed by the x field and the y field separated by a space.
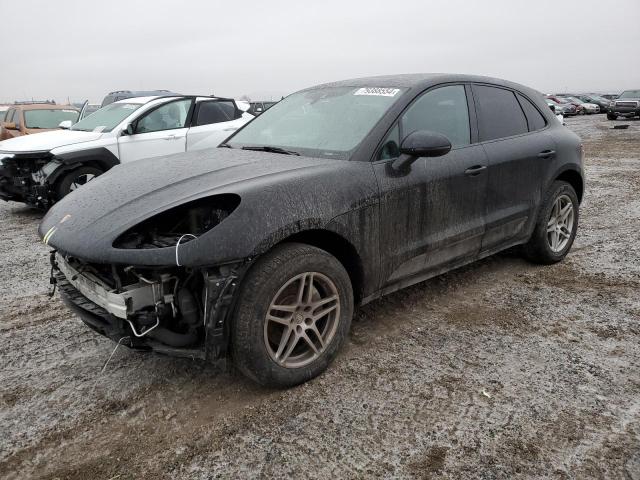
pixel 302 319
pixel 560 224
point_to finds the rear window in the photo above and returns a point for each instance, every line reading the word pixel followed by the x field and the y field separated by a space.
pixel 48 118
pixel 534 118
pixel 499 113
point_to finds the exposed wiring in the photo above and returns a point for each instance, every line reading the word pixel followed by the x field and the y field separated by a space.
pixel 178 245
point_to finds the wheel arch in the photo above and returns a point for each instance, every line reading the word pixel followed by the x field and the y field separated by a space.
pixel 573 178
pixel 338 246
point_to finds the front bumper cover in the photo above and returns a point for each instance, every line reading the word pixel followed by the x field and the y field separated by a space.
pixel 113 314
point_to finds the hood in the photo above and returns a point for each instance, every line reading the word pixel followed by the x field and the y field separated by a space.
pixel 46 141
pixel 273 188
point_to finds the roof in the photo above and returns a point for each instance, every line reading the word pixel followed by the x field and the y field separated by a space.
pixel 419 80
pixel 139 100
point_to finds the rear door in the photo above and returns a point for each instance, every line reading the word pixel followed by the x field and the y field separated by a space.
pixel 213 121
pixel 518 150
pixel 157 132
pixel 432 216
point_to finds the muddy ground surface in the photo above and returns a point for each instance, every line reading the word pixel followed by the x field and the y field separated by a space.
pixel 502 369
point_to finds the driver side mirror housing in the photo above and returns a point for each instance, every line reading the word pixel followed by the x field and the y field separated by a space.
pixel 65 124
pixel 128 130
pixel 421 143
pixel 10 126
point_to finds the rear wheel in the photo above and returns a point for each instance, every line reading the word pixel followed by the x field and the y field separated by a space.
pixel 611 116
pixel 75 179
pixel 293 315
pixel 556 225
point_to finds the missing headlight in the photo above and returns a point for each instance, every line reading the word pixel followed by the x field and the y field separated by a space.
pixel 182 223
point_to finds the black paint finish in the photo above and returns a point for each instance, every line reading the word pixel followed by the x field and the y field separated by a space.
pixel 399 227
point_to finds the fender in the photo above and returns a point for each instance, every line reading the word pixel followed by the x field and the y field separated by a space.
pixel 574 168
pixel 100 157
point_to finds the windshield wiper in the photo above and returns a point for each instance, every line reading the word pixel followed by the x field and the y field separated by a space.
pixel 270 149
pixel 224 145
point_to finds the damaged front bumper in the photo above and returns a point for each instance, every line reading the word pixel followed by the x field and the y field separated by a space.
pixel 175 311
pixel 25 178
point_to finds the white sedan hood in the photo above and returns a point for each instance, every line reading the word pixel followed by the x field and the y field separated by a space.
pixel 47 141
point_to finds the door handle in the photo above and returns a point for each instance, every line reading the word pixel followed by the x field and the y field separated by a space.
pixel 475 170
pixel 547 154
pixel 170 137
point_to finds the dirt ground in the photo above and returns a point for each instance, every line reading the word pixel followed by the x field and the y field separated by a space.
pixel 502 369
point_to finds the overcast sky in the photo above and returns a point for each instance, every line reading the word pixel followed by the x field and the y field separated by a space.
pixel 84 49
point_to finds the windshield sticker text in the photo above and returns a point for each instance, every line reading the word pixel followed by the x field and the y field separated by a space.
pixel 377 91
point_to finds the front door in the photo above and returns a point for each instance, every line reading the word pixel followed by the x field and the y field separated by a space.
pixel 433 215
pixel 161 131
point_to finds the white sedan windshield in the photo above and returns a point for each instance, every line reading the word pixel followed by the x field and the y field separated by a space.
pixel 107 118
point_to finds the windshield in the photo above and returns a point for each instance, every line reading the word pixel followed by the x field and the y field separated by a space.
pixel 48 118
pixel 630 94
pixel 575 100
pixel 326 122
pixel 107 118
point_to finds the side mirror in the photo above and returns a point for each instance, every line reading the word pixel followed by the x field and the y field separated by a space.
pixel 421 143
pixel 65 124
pixel 128 130
pixel 10 126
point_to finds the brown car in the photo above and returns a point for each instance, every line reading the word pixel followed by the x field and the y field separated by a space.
pixel 24 119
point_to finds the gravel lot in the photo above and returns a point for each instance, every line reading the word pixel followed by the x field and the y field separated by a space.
pixel 501 369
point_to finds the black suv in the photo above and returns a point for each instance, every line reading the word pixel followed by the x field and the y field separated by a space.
pixel 627 104
pixel 341 194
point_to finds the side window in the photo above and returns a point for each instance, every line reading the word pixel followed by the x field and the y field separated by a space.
pixel 9 117
pixel 499 113
pixel 534 118
pixel 443 110
pixel 17 118
pixel 214 112
pixel 391 146
pixel 167 117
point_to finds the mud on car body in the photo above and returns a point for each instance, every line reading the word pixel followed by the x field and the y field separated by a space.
pixel 40 170
pixel 337 195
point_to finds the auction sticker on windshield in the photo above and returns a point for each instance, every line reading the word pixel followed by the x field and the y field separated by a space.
pixel 377 91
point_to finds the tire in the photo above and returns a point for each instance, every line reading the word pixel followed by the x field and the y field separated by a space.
pixel 256 340
pixel 539 249
pixel 68 182
pixel 611 116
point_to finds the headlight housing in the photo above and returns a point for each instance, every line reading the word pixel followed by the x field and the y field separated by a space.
pixel 182 223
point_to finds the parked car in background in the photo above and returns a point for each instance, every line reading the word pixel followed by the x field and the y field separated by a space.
pixel 28 118
pixel 627 104
pixel 124 94
pixel 41 169
pixel 587 108
pixel 259 107
pixel 577 110
pixel 610 96
pixel 556 108
pixel 599 100
pixel 567 108
pixel 3 111
pixel 334 197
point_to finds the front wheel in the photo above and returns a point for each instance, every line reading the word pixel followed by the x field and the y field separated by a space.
pixel 75 179
pixel 294 313
pixel 556 226
pixel 611 116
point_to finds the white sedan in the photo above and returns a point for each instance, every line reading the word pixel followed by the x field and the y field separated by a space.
pixel 41 169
